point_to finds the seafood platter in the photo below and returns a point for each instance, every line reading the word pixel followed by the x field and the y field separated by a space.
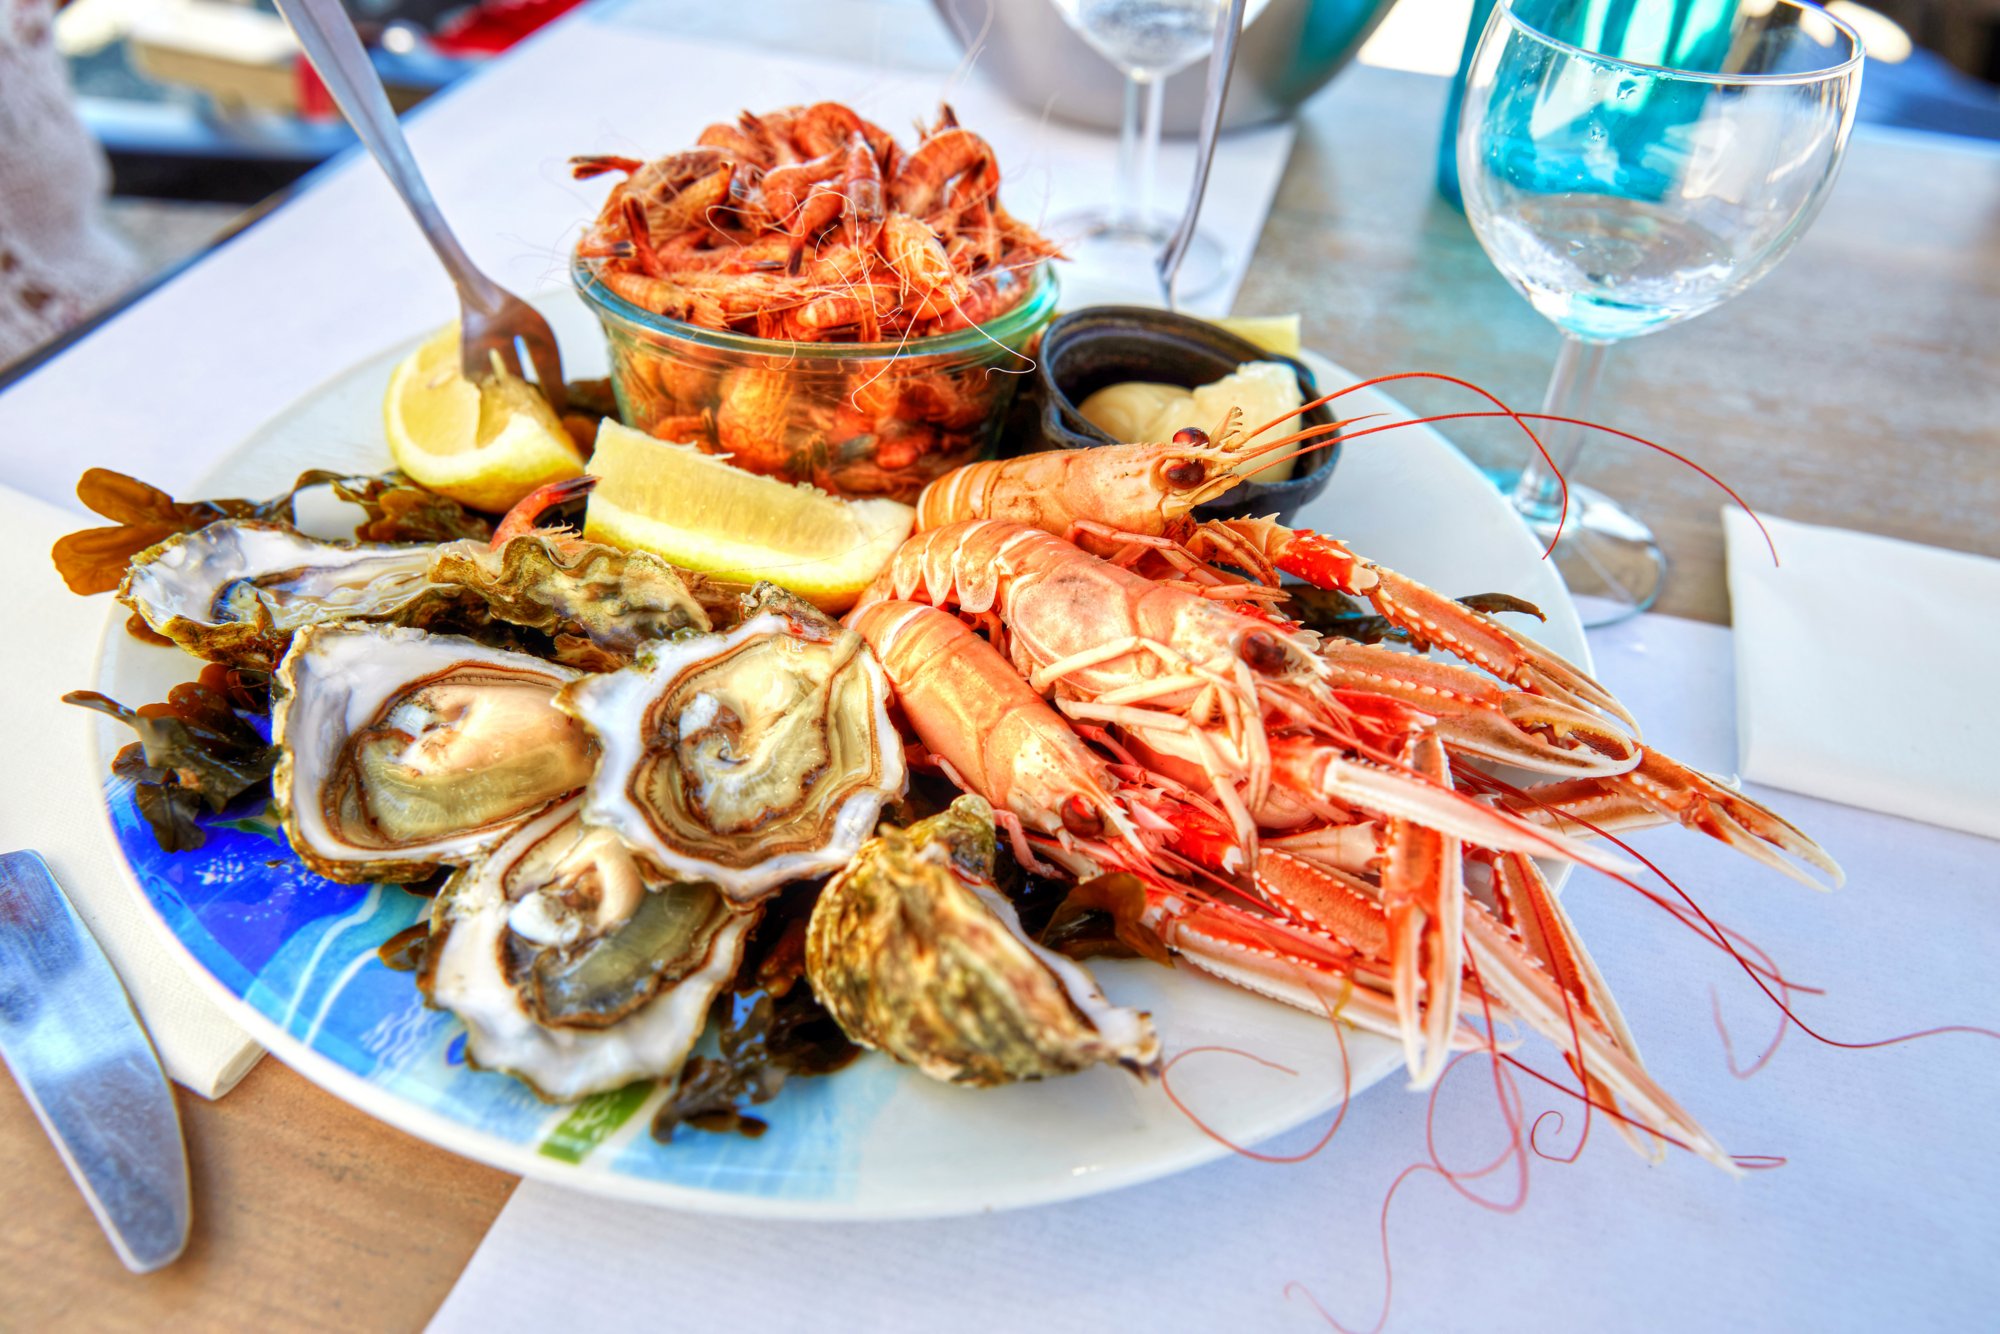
pixel 794 781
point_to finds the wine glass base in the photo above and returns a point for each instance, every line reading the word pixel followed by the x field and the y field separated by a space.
pixel 1122 254
pixel 1611 561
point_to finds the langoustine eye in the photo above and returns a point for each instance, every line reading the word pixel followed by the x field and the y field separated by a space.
pixel 1187 473
pixel 1262 651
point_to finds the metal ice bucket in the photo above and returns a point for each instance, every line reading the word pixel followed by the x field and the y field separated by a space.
pixel 1286 55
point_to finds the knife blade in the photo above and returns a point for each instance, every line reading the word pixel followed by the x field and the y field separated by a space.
pixel 68 1034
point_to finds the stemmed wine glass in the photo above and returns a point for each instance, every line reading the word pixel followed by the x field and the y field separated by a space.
pixel 1149 41
pixel 1627 167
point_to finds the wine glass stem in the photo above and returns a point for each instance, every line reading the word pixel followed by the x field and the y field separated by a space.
pixel 1130 181
pixel 1149 159
pixel 1572 386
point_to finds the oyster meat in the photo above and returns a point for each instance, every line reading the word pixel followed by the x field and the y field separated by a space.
pixel 237 590
pixel 917 954
pixel 565 585
pixel 575 965
pixel 404 751
pixel 746 759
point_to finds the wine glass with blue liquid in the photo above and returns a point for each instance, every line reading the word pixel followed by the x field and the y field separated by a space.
pixel 1629 164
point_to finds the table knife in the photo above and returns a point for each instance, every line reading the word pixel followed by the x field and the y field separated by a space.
pixel 68 1034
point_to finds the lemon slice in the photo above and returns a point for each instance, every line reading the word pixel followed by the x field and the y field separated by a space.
pixel 1273 333
pixel 703 514
pixel 484 445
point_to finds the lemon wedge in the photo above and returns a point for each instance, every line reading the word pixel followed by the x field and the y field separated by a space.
pixel 1273 333
pixel 703 514
pixel 484 445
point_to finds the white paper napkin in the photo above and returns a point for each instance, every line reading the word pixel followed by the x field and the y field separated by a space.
pixel 49 798
pixel 1865 671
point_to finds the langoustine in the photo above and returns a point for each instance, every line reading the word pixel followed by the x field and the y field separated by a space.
pixel 1306 813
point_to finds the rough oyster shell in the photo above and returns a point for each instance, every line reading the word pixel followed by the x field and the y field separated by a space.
pixel 404 751
pixel 617 599
pixel 747 759
pixel 622 993
pixel 916 954
pixel 237 590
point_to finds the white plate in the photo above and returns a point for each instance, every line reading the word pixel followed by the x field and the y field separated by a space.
pixel 292 957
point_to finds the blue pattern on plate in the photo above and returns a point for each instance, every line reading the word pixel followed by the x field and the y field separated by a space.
pixel 301 951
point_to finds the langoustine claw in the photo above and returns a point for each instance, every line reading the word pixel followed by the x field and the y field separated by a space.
pixel 1662 790
pixel 1431 618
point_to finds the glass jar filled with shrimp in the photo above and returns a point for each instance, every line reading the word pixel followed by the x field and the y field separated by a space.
pixel 855 419
pixel 802 292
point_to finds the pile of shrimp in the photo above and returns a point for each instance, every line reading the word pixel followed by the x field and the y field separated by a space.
pixel 812 224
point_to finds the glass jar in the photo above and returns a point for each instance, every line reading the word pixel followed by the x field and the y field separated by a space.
pixel 855 419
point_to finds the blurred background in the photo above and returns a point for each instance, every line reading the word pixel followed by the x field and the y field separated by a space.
pixel 207 115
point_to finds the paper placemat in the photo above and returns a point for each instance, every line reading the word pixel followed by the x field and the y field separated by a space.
pixel 51 800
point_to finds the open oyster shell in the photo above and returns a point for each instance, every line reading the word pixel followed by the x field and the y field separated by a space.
pixel 404 751
pixel 574 965
pixel 747 759
pixel 563 585
pixel 237 590
pixel 916 954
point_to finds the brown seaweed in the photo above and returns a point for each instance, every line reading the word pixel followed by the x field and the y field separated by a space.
pixel 195 750
pixel 400 510
pixel 94 560
pixel 1337 615
pixel 769 1030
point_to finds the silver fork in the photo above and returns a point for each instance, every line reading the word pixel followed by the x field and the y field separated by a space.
pixel 491 319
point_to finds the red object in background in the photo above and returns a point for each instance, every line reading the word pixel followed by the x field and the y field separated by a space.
pixel 490 28
pixel 315 102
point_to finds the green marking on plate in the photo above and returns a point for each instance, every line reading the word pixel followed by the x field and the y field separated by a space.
pixel 261 824
pixel 594 1121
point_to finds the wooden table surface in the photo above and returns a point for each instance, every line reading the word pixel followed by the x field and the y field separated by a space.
pixel 1858 385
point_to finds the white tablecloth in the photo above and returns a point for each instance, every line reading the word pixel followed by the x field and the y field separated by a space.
pixel 1886 1216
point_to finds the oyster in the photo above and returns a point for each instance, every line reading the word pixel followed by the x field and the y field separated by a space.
pixel 404 750
pixel 574 965
pixel 918 955
pixel 564 585
pixel 236 590
pixel 748 758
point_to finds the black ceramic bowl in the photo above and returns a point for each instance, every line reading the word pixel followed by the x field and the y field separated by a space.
pixel 1087 349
